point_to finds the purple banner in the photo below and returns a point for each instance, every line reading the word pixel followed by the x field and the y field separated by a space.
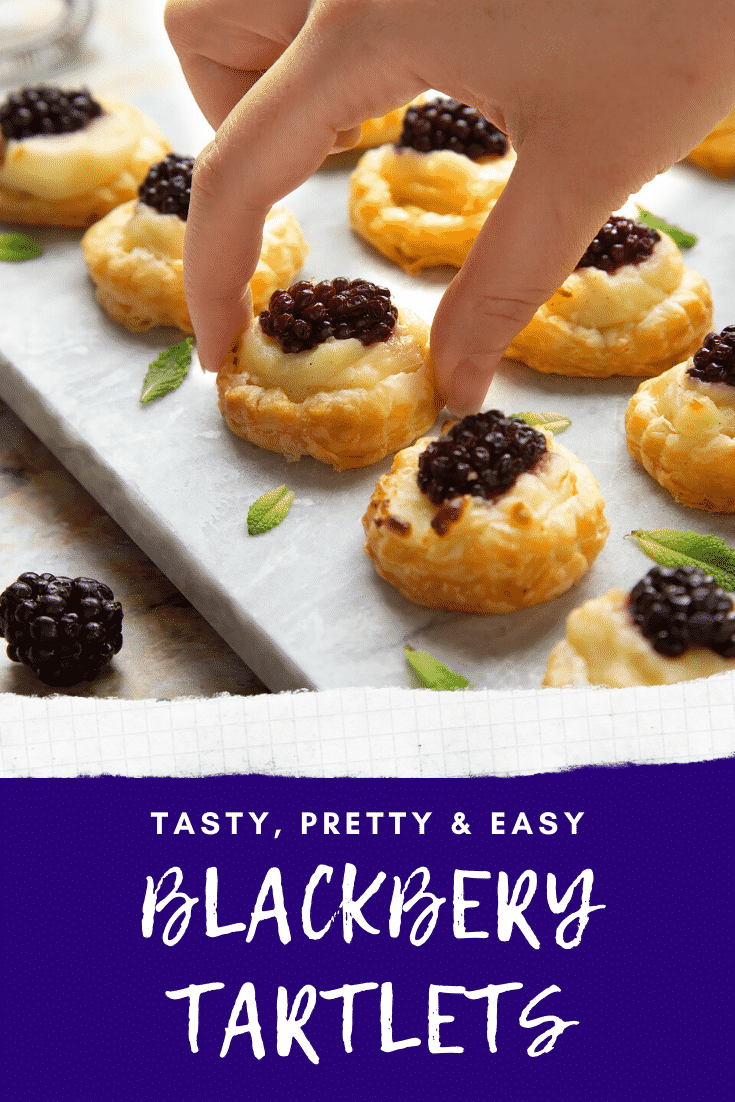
pixel 558 937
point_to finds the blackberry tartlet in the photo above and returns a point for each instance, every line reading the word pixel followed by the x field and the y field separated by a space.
pixel 491 517
pixel 333 370
pixel 630 307
pixel 680 426
pixel 66 158
pixel 134 255
pixel 675 625
pixel 422 201
pixel 65 630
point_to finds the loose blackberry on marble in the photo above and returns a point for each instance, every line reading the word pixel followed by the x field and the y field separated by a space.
pixel 66 630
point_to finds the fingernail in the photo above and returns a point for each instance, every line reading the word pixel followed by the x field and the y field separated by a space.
pixel 468 387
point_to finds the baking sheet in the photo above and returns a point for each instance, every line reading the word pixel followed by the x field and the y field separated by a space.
pixel 302 605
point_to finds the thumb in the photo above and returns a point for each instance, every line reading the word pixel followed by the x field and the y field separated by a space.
pixel 533 238
pixel 303 107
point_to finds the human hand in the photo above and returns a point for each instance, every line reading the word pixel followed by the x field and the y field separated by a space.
pixel 596 100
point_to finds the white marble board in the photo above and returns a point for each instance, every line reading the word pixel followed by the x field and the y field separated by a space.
pixel 302 605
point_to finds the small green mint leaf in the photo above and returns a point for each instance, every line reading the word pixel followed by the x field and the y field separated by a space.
pixel 433 673
pixel 168 371
pixel 269 510
pixel 670 547
pixel 553 422
pixel 16 246
pixel 683 239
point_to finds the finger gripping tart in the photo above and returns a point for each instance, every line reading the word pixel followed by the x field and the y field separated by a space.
pixel 492 517
pixel 680 426
pixel 676 625
pixel 67 159
pixel 630 307
pixel 423 201
pixel 134 254
pixel 332 370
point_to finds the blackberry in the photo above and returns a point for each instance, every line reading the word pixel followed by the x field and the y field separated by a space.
pixel 167 187
pixel 619 242
pixel 449 124
pixel 715 360
pixel 482 455
pixel 46 110
pixel 306 314
pixel 681 607
pixel 65 629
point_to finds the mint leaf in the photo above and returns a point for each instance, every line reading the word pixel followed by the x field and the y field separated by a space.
pixel 269 510
pixel 16 246
pixel 670 547
pixel 433 673
pixel 683 239
pixel 168 371
pixel 553 422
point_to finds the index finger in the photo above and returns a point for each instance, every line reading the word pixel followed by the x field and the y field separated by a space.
pixel 275 138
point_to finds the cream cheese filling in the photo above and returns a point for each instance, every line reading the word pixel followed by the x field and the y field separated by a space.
pixel 59 166
pixel 160 234
pixel 333 365
pixel 595 299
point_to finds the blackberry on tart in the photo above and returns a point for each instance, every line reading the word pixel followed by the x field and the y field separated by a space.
pixel 676 624
pixel 67 158
pixel 492 516
pixel 680 426
pixel 334 370
pixel 630 307
pixel 422 200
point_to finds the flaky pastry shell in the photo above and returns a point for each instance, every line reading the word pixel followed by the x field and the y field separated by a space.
pixel 142 287
pixel 717 152
pixel 79 211
pixel 369 402
pixel 604 647
pixel 527 546
pixel 636 321
pixel 423 210
pixel 385 128
pixel 682 430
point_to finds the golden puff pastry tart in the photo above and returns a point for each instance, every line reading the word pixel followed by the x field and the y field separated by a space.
pixel 681 426
pixel 491 517
pixel 386 128
pixel 630 307
pixel 423 201
pixel 66 159
pixel 333 370
pixel 717 152
pixel 675 625
pixel 134 254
